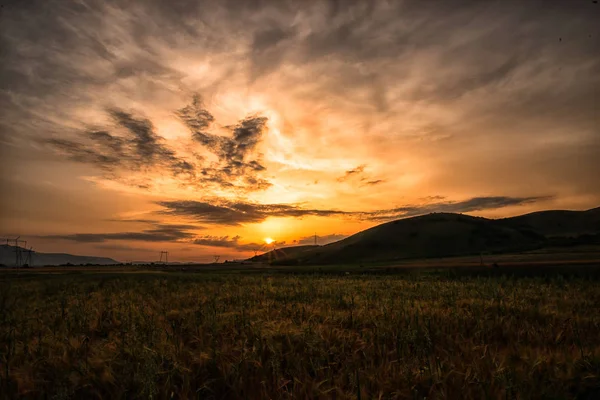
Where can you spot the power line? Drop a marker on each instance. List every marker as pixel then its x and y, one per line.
pixel 166 254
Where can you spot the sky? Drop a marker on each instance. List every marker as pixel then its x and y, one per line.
pixel 204 127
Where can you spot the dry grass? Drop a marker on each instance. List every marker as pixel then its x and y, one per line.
pixel 299 336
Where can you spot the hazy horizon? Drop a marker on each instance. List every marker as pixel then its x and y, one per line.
pixel 205 128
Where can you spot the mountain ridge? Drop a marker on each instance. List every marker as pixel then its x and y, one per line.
pixel 7 258
pixel 451 234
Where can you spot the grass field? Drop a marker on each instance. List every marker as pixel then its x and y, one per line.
pixel 399 333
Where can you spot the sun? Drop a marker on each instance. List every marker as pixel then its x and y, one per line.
pixel 268 240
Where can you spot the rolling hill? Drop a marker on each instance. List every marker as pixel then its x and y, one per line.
pixel 7 258
pixel 284 253
pixel 446 234
pixel 557 223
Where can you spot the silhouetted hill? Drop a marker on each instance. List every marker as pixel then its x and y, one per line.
pixel 445 234
pixel 557 223
pixel 7 257
pixel 283 253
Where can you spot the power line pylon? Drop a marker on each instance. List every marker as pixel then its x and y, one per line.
pixel 29 257
pixel 18 253
pixel 166 254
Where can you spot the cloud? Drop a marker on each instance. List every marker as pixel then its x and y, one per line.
pixel 357 172
pixel 145 221
pixel 225 212
pixel 234 153
pixel 470 205
pixel 231 243
pixel 374 182
pixel 160 233
pixel 352 172
pixel 141 149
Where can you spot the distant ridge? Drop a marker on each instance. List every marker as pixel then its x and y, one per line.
pixel 557 222
pixel 7 258
pixel 448 234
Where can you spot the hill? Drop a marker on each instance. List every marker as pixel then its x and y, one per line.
pixel 7 258
pixel 284 253
pixel 557 223
pixel 446 235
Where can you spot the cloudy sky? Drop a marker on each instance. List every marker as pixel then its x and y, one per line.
pixel 202 128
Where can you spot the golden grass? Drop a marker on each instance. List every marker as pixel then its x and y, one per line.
pixel 312 336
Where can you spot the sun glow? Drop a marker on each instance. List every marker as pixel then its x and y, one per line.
pixel 269 240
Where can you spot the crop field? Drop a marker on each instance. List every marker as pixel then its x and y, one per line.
pixel 414 335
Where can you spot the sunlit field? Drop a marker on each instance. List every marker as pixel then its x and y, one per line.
pixel 275 335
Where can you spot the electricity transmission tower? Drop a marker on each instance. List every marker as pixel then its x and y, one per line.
pixel 29 257
pixel 166 254
pixel 18 253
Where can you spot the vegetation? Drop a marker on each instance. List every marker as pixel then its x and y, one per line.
pixel 452 334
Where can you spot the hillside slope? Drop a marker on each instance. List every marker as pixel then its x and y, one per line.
pixel 428 236
pixel 284 253
pixel 445 234
pixel 557 223
pixel 7 258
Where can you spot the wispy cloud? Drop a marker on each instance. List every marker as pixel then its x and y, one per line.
pixel 141 149
pixel 160 233
pixel 233 152
pixel 465 206
pixel 224 212
pixel 233 242
pixel 352 172
pixel 374 182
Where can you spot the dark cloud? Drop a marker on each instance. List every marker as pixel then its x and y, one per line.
pixel 145 144
pixel 374 182
pixel 267 49
pixel 198 120
pixel 234 153
pixel 352 172
pixel 223 212
pixel 145 221
pixel 267 38
pixel 139 148
pixel 232 242
pixel 159 233
pixel 359 172
pixel 81 153
pixel 470 205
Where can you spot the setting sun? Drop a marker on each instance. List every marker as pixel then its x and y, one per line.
pixel 269 240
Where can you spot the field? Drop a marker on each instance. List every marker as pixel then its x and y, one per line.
pixel 531 332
